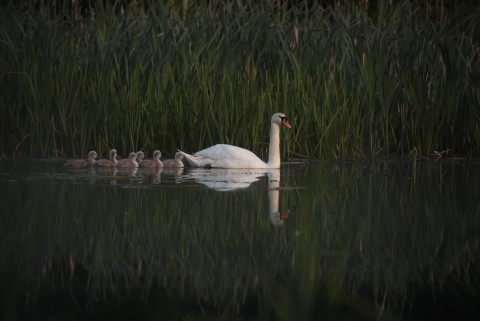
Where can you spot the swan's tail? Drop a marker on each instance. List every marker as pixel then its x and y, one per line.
pixel 196 161
pixel 190 158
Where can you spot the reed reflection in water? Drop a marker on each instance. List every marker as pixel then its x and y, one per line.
pixel 377 240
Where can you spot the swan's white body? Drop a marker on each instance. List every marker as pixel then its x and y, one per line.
pixel 177 162
pixel 228 156
pixel 112 162
pixel 92 155
pixel 153 163
pixel 130 162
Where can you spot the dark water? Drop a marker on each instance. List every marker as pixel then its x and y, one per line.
pixel 323 241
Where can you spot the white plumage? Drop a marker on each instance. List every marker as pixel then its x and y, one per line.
pixel 229 156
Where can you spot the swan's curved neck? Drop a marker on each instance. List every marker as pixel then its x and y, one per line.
pixel 274 148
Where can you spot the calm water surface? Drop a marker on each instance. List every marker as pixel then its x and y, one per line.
pixel 383 240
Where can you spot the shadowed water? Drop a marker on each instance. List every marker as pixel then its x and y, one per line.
pixel 388 240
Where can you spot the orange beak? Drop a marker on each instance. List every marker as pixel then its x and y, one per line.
pixel 284 215
pixel 285 122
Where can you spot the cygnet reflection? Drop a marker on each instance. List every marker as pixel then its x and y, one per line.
pixel 176 172
pixel 153 172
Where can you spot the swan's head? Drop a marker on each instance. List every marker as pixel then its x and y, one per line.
pixel 157 154
pixel 132 156
pixel 280 119
pixel 113 153
pixel 92 154
pixel 140 155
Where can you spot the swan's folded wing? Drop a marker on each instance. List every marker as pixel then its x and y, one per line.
pixel 223 151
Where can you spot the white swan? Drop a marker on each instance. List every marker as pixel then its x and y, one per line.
pixel 112 162
pixel 92 155
pixel 228 156
pixel 130 162
pixel 177 162
pixel 153 163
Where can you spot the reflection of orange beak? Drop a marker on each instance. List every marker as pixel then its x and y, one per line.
pixel 285 122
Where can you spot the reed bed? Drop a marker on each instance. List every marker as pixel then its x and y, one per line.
pixel 356 82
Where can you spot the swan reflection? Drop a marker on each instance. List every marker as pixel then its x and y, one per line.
pixel 276 217
pixel 234 179
pixel 225 179
pixel 221 180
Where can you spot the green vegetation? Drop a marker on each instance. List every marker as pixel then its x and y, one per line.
pixel 356 81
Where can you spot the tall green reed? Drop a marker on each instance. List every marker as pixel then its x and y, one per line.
pixel 356 83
